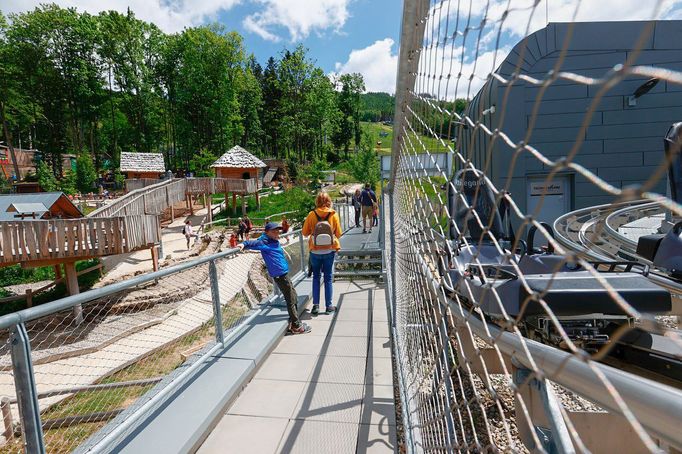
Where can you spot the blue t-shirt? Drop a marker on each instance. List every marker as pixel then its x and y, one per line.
pixel 367 198
pixel 272 252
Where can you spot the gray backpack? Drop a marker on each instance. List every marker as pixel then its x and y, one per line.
pixel 323 233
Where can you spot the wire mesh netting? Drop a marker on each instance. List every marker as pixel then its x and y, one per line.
pixel 503 326
pixel 89 373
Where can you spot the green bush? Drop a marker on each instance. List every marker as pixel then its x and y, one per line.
pixel 86 174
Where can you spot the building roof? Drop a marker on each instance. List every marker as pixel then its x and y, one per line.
pixel 142 162
pixel 13 205
pixel 239 158
pixel 28 208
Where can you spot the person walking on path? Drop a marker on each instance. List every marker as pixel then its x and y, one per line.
pixel 248 224
pixel 357 205
pixel 323 227
pixel 271 249
pixel 241 229
pixel 188 231
pixel 368 198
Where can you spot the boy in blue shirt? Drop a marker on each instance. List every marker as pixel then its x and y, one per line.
pixel 273 255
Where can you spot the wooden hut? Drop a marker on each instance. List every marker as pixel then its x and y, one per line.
pixel 237 163
pixel 41 205
pixel 142 165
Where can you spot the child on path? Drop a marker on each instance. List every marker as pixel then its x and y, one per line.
pixel 273 254
pixel 188 231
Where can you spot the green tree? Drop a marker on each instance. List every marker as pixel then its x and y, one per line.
pixel 200 164
pixel 86 175
pixel 364 165
pixel 69 183
pixel 46 179
pixel 348 120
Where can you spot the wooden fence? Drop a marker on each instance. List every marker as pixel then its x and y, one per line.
pixel 134 184
pixel 24 241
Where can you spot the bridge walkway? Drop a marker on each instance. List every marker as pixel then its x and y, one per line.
pixel 330 391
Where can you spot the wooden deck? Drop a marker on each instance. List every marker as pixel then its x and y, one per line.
pixel 56 240
pixel 127 224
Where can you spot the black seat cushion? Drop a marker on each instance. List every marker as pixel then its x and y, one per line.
pixel 578 292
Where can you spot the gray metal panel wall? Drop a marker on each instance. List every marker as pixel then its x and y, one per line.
pixel 622 144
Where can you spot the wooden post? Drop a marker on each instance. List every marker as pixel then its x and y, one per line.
pixel 57 271
pixel 29 297
pixel 6 410
pixel 204 199
pixel 210 209
pixel 172 213
pixel 155 258
pixel 72 286
pixel 243 205
pixel 257 200
pixel 191 207
pixel 227 201
pixel 234 203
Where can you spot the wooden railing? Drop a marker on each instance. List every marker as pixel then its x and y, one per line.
pixel 221 185
pixel 23 241
pixel 134 184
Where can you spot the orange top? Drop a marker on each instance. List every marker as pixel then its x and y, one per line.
pixel 311 221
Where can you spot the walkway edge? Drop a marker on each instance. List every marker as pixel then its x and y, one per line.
pixel 188 416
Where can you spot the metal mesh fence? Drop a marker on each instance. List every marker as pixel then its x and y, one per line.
pixel 89 373
pixel 507 338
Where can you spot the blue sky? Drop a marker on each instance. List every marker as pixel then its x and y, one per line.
pixel 362 35
pixel 368 21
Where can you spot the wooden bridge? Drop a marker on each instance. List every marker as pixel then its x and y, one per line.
pixel 127 224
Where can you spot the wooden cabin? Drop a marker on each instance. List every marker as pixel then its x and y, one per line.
pixel 142 165
pixel 40 205
pixel 239 164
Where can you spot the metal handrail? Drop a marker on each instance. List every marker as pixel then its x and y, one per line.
pixel 68 302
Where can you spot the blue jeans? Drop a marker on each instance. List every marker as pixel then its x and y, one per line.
pixel 322 263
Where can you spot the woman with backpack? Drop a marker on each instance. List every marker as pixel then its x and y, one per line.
pixel 324 229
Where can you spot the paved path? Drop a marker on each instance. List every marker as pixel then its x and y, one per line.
pixel 355 240
pixel 174 244
pixel 90 366
pixel 330 391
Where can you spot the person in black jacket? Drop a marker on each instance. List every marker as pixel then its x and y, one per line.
pixel 357 205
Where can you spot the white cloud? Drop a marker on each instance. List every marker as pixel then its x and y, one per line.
pixel 377 63
pixel 254 27
pixel 299 17
pixel 519 17
pixel 169 15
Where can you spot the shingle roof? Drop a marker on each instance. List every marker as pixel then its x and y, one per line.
pixel 142 162
pixel 239 158
pixel 46 199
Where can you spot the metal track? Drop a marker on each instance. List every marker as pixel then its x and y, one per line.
pixel 594 233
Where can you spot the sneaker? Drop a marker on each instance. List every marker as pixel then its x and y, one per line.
pixel 316 310
pixel 364 230
pixel 303 329
pixel 330 309
pixel 370 230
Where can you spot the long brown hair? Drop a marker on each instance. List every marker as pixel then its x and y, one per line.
pixel 323 200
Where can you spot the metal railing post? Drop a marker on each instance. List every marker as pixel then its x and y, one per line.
pixel 382 220
pixel 555 438
pixel 27 396
pixel 302 246
pixel 215 297
pixel 393 259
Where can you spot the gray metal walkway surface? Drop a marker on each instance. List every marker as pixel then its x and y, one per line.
pixel 354 241
pixel 330 391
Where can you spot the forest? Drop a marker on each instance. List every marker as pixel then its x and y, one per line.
pixel 96 85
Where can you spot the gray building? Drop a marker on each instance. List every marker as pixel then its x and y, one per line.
pixel 623 144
